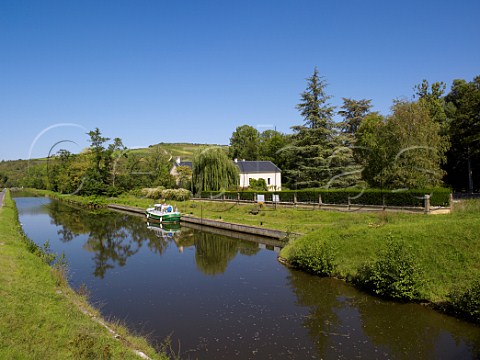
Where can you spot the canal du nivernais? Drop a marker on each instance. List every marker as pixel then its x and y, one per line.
pixel 217 297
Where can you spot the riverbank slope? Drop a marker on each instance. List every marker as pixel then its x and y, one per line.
pixel 41 316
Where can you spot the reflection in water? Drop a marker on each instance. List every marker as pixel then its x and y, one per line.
pixel 114 237
pixel 339 315
pixel 213 252
pixel 252 307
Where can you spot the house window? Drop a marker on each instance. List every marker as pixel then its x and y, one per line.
pixel 268 181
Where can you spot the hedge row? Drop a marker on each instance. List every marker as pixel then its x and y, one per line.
pixel 438 196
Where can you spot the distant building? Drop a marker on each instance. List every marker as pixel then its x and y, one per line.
pixel 266 170
pixel 176 164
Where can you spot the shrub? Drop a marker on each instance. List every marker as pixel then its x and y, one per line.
pixel 467 303
pixel 167 194
pixel 176 194
pixel 153 193
pixel 438 196
pixel 394 274
pixel 259 184
pixel 318 259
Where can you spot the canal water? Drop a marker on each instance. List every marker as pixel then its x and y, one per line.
pixel 217 297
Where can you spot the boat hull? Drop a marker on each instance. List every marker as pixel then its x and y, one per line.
pixel 174 217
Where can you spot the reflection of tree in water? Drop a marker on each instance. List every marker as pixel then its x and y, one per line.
pixel 411 331
pixel 406 331
pixel 214 252
pixel 321 297
pixel 113 237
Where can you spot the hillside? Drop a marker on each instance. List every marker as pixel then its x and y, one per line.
pixel 183 150
pixel 13 171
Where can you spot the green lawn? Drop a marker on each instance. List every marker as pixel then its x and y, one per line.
pixel 40 316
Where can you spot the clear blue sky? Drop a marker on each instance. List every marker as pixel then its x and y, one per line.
pixel 192 71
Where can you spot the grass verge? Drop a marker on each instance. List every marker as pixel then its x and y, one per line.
pixel 41 316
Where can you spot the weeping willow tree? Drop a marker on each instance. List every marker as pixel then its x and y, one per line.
pixel 213 170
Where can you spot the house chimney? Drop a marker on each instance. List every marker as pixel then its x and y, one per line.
pixel 178 160
pixel 235 160
pixel 243 159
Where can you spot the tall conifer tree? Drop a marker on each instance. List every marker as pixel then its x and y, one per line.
pixel 314 141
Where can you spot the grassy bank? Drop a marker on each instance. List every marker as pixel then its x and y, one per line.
pixel 445 248
pixel 41 316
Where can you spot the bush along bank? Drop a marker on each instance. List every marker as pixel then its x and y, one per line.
pixel 371 197
pixel 43 317
pixel 432 260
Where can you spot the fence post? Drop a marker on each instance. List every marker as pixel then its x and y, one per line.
pixel 295 198
pixel 238 197
pixel 349 203
pixel 427 204
pixel 451 202
pixel 320 201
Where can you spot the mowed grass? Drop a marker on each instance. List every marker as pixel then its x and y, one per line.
pixel 40 316
pixel 446 247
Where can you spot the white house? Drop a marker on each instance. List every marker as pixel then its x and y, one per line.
pixel 266 170
pixel 260 170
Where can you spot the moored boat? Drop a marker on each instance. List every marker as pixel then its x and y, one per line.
pixel 163 213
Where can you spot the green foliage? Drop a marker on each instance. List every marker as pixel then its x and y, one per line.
pixel 309 154
pixel 394 274
pixel 244 143
pixel 404 150
pixel 153 193
pixel 463 112
pixel 184 176
pixel 259 184
pixel 176 194
pixel 438 196
pixel 272 146
pixel 318 259
pixel 213 170
pixel 167 194
pixel 432 98
pixel 467 303
pixel 353 113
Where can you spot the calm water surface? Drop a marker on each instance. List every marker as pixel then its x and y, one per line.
pixel 222 298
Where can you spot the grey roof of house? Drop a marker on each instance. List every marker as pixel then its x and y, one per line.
pixel 257 167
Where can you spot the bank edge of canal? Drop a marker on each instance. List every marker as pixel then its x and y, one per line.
pixel 469 311
pixel 378 225
pixel 41 316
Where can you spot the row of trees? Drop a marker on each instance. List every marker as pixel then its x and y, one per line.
pixel 427 141
pixel 424 142
pixel 105 168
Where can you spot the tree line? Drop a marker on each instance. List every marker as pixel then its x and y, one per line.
pixel 431 140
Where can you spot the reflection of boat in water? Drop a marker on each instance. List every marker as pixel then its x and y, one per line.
pixel 164 229
pixel 163 212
